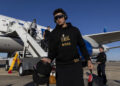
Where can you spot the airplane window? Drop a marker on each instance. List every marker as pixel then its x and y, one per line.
pixel 21 24
pixel 4 20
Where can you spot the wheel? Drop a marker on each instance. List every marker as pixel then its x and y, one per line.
pixel 21 71
pixel 6 67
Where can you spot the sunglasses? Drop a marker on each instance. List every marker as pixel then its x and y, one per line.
pixel 58 17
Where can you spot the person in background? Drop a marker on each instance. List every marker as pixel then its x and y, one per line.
pixel 46 34
pixel 32 30
pixel 101 60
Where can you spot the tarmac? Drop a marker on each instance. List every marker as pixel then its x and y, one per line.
pixel 112 72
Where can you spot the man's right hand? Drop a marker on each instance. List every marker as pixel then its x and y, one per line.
pixel 46 60
pixel 99 62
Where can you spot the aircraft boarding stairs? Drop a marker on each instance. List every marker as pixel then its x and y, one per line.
pixel 30 44
pixel 32 52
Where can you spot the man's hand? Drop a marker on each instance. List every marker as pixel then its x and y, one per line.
pixel 99 62
pixel 90 65
pixel 46 60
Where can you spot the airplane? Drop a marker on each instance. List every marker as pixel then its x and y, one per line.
pixel 11 40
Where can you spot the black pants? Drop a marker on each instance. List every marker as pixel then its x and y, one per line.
pixel 101 72
pixel 44 44
pixel 69 75
pixel 32 32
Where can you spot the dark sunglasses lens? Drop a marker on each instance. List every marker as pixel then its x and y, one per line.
pixel 58 17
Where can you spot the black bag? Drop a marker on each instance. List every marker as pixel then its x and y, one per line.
pixel 41 72
pixel 96 81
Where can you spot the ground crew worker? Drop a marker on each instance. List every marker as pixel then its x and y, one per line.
pixel 63 43
pixel 46 35
pixel 101 60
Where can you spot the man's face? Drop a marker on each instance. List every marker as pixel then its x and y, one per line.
pixel 59 18
pixel 101 50
pixel 48 28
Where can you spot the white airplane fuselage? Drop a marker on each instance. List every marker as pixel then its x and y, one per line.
pixel 9 44
pixel 12 44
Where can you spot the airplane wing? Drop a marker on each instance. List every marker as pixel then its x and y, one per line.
pixel 114 47
pixel 107 37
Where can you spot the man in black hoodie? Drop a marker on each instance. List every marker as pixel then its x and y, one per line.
pixel 63 44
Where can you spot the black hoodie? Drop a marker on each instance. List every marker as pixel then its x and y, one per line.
pixel 101 57
pixel 63 44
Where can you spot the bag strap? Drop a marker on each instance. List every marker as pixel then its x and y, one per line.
pixel 90 71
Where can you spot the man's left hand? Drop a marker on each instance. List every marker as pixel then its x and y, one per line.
pixel 90 65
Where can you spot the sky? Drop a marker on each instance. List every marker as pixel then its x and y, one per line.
pixel 90 16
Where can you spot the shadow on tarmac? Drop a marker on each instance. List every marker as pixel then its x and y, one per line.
pixel 10 85
pixel 118 81
pixel 29 84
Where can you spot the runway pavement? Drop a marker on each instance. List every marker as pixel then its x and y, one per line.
pixel 112 71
